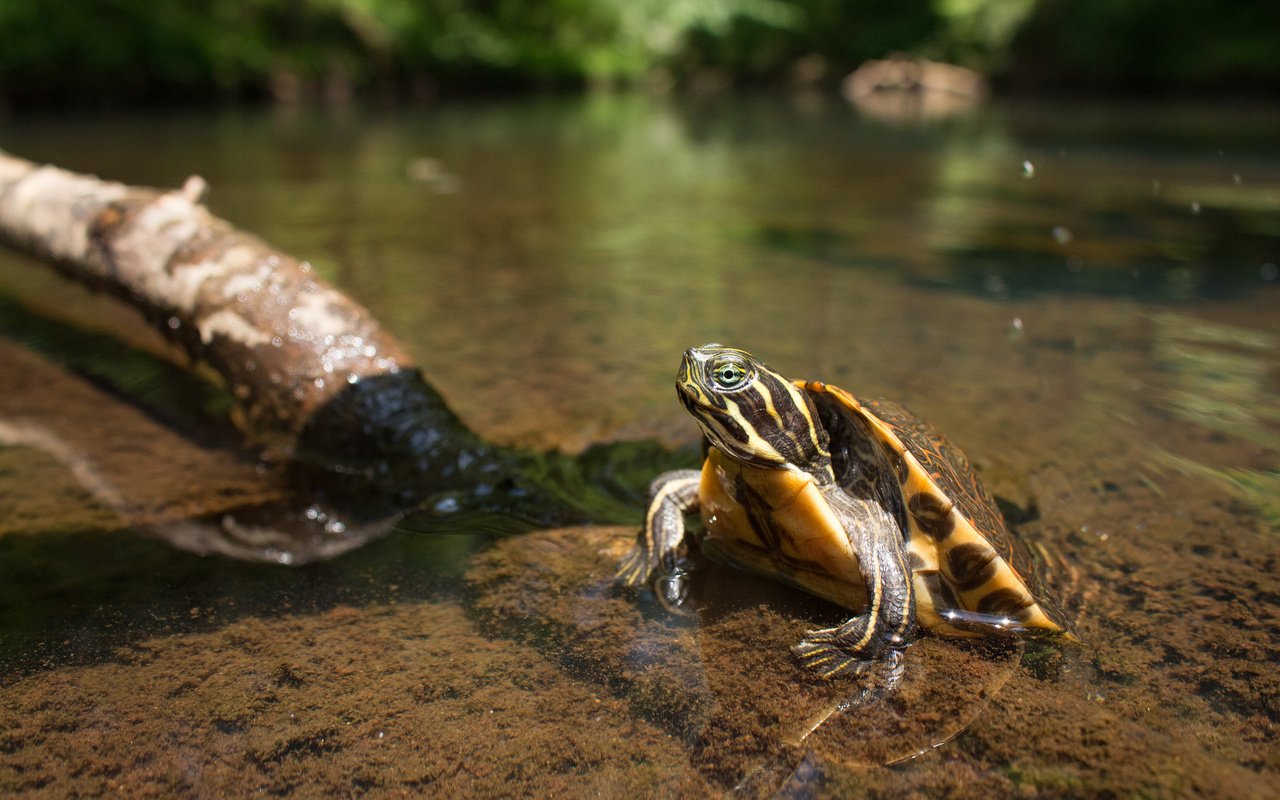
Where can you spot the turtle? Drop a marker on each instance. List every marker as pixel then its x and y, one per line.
pixel 858 502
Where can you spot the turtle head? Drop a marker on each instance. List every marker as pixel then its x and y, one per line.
pixel 750 412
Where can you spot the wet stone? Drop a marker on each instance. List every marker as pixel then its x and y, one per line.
pixel 723 678
pixel 970 718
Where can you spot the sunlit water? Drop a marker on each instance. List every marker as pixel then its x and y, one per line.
pixel 1082 297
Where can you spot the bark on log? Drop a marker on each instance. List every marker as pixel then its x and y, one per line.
pixel 310 367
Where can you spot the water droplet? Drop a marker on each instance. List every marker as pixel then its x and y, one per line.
pixel 1028 169
pixel 352 377
pixel 1195 208
pixel 174 323
pixel 1062 234
pixel 1236 179
pixel 335 526
pixel 276 341
pixel 1270 271
pixel 319 383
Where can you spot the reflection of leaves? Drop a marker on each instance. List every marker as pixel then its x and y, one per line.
pixel 1020 261
pixel 825 244
pixel 1259 488
pixel 820 243
pixel 1006 271
pixel 165 390
pixel 1220 379
pixel 1220 375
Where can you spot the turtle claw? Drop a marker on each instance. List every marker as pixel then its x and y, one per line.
pixel 844 650
pixel 670 586
pixel 672 590
pixel 829 659
pixel 633 570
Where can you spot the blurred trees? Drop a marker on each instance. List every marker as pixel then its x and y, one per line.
pixel 126 50
pixel 1142 45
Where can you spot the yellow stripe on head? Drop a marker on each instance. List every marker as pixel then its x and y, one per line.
pixel 750 412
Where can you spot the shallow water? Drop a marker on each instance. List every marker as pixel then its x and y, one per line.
pixel 1082 297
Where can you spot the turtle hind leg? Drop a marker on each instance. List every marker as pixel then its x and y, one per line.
pixel 887 625
pixel 847 649
pixel 658 545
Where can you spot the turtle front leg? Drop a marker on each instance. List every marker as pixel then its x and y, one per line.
pixel 661 542
pixel 881 630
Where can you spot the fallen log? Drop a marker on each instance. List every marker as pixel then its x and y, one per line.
pixel 285 341
pixel 315 377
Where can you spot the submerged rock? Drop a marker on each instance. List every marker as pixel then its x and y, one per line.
pixel 723 677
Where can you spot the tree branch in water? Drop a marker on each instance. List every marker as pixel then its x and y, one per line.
pixel 314 375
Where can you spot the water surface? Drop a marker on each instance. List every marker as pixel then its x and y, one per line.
pixel 1082 297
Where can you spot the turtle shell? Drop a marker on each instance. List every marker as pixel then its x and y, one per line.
pixel 967 570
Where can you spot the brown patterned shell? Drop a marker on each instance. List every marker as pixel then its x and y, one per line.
pixel 969 572
pixel 950 469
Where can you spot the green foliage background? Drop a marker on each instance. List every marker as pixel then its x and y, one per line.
pixel 128 50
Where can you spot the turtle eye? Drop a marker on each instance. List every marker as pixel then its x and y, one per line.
pixel 729 374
